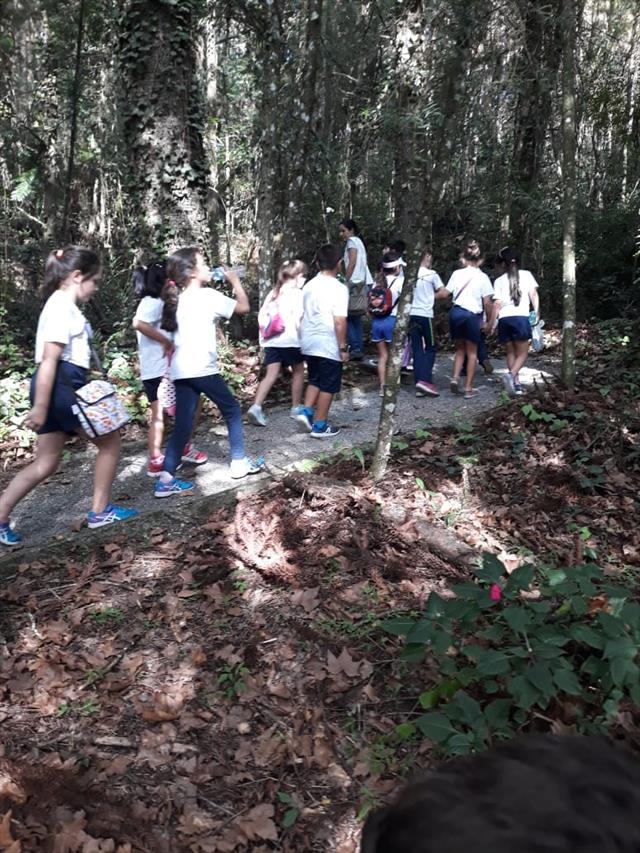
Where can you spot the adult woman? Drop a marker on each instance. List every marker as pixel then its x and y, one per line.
pixel 359 279
pixel 516 291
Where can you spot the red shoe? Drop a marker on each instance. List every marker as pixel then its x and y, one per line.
pixel 192 456
pixel 426 389
pixel 154 466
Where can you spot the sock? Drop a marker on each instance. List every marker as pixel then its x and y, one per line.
pixel 307 411
pixel 165 477
pixel 320 424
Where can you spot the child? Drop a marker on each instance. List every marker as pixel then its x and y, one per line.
pixel 471 291
pixel 515 292
pixel 155 347
pixel 63 353
pixel 534 794
pixel 191 312
pixel 359 279
pixel 283 349
pixel 323 337
pixel 421 326
pixel 391 276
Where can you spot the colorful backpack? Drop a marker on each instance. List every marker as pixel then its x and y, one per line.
pixel 380 301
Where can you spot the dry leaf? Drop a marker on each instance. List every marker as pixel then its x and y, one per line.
pixel 343 664
pixel 258 823
pixel 10 789
pixel 7 842
pixel 165 707
pixel 306 598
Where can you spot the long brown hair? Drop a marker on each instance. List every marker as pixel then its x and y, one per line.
pixel 62 262
pixel 179 268
pixel 511 260
pixel 288 270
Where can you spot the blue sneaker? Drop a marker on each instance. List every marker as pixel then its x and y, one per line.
pixel 324 431
pixel 9 537
pixel 304 419
pixel 240 468
pixel 109 515
pixel 173 487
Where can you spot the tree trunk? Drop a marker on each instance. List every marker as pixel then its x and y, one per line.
pixel 162 124
pixel 569 194
pixel 75 101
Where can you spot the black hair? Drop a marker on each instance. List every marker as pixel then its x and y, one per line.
pixel 149 280
pixel 62 262
pixel 328 257
pixel 350 225
pixel 387 258
pixel 398 246
pixel 534 794
pixel 511 260
pixel 472 251
pixel 179 268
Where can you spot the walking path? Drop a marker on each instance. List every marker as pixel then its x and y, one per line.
pixel 56 509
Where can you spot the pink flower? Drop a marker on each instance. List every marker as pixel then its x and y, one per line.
pixel 495 593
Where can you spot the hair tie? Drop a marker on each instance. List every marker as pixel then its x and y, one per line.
pixel 171 281
pixel 59 253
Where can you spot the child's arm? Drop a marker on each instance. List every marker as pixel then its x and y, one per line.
pixel 340 327
pixel 149 331
pixel 44 384
pixel 442 293
pixel 535 300
pixel 242 300
pixel 352 255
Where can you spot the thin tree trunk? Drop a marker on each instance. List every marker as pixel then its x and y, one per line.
pixel 569 194
pixel 75 98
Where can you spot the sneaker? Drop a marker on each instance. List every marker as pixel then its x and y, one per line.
pixel 487 367
pixel 109 515
pixel 305 421
pixel 473 392
pixel 256 416
pixel 518 389
pixel 509 384
pixel 172 487
pixel 426 389
pixel 154 466
pixel 192 456
pixel 381 391
pixel 327 431
pixel 8 536
pixel 239 468
pixel 454 387
pixel 294 411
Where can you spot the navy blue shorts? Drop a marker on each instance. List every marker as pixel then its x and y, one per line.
pixel 464 325
pixel 151 388
pixel 286 356
pixel 60 417
pixel 382 329
pixel 324 373
pixel 512 329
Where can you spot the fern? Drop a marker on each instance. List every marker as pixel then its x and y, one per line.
pixel 22 186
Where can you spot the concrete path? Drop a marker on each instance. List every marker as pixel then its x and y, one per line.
pixel 55 510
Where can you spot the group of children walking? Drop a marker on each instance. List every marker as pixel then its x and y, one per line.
pixel 317 322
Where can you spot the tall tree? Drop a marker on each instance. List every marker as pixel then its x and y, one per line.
pixel 569 193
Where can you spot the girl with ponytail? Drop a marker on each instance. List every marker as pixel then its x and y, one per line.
pixel 63 353
pixel 516 292
pixel 191 312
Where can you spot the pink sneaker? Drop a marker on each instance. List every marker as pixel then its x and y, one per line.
pixel 426 389
pixel 192 456
pixel 154 467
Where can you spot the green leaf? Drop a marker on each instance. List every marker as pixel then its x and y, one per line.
pixel 460 744
pixel 493 662
pixel 540 676
pixel 623 647
pixel 584 634
pixel 469 707
pixel 290 817
pixel 519 579
pixel 516 617
pixel 492 569
pixel 435 726
pixel 398 627
pixel 405 731
pixel 619 668
pixel 523 691
pixel 611 626
pixel 421 632
pixel 567 680
pixel 497 713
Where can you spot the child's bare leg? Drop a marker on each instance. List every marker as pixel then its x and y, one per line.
pixel 297 384
pixel 267 383
pixel 49 449
pixel 156 430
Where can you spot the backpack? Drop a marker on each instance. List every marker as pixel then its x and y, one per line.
pixel 380 301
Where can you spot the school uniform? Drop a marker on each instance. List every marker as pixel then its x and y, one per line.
pixel 468 287
pixel 421 324
pixel 62 322
pixel 324 298
pixel 361 275
pixel 284 348
pixel 513 318
pixel 151 355
pixel 382 327
pixel 194 370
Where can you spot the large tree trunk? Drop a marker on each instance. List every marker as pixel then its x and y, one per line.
pixel 569 194
pixel 162 123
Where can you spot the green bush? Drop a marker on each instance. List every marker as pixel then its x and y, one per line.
pixel 511 650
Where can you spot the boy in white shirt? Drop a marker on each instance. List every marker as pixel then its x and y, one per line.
pixel 323 338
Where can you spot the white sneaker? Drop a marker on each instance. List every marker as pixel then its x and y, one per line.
pixel 256 416
pixel 294 411
pixel 239 468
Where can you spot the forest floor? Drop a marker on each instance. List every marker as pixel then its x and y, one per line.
pixel 230 687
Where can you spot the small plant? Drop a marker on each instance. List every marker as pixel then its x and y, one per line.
pixel 353 453
pixel 107 616
pixel 534 415
pixel 537 643
pixel 89 706
pixel 292 813
pixel 232 679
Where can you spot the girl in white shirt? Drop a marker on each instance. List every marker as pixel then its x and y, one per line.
pixel 516 292
pixel 155 348
pixel 390 276
pixel 471 292
pixel 191 312
pixel 63 353
pixel 282 349
pixel 421 326
pixel 359 279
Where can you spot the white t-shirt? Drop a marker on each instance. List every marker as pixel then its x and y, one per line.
pixel 395 282
pixel 478 285
pixel 361 271
pixel 427 283
pixel 62 322
pixel 289 306
pixel 324 298
pixel 199 308
pixel 150 353
pixel 502 293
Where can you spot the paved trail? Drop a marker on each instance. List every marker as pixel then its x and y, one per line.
pixel 55 510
